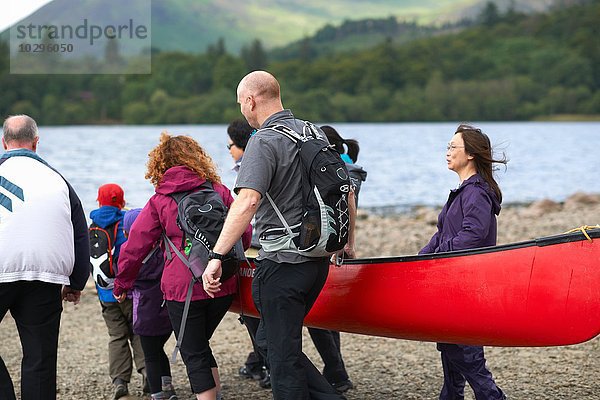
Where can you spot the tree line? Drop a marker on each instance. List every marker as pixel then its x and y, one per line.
pixel 509 67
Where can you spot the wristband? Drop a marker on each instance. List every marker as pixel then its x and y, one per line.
pixel 215 256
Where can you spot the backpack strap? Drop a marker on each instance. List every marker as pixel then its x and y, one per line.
pixel 145 260
pixel 296 138
pixel 188 297
pixel 186 309
pixel 280 215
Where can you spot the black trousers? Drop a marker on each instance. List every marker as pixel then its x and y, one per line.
pixel 283 294
pixel 203 318
pixel 157 362
pixel 328 345
pixel 36 308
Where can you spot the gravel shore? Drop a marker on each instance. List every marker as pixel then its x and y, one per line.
pixel 380 368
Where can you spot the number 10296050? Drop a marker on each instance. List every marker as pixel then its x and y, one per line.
pixel 46 48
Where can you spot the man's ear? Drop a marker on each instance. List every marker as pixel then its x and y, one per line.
pixel 4 144
pixel 35 143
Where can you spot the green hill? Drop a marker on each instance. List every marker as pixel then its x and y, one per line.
pixel 192 25
pixel 510 66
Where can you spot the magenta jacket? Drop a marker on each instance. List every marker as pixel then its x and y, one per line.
pixel 160 213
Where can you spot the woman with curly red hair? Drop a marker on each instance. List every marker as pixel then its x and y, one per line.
pixel 179 164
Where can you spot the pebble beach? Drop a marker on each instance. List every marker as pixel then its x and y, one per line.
pixel 381 368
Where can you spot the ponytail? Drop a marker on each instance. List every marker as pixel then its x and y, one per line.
pixel 338 143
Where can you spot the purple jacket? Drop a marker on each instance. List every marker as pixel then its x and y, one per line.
pixel 160 214
pixel 468 220
pixel 150 317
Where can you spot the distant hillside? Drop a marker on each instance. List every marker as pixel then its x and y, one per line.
pixel 360 34
pixel 356 35
pixel 509 66
pixel 192 25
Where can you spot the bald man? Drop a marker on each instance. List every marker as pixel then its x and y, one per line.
pixel 286 283
pixel 44 256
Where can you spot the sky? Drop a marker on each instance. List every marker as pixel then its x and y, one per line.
pixel 15 10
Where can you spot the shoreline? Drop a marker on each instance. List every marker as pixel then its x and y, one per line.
pixel 406 233
pixel 412 209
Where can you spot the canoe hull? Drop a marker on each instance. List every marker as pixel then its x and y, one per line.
pixel 540 293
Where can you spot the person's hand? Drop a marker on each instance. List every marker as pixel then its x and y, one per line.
pixel 121 297
pixel 211 277
pixel 71 295
pixel 349 251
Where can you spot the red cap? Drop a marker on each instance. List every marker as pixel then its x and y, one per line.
pixel 111 194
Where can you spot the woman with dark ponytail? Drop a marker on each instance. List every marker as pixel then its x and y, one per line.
pixel 348 149
pixel 467 221
pixel 327 342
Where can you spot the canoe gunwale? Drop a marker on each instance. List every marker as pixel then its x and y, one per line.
pixel 539 242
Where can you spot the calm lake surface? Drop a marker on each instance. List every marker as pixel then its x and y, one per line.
pixel 405 161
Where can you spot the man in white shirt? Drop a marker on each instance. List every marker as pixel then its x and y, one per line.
pixel 44 255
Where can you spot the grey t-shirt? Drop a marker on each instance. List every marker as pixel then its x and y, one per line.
pixel 271 164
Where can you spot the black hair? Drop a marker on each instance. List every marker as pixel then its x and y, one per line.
pixel 338 143
pixel 239 132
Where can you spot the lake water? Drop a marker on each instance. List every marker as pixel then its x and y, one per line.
pixel 405 161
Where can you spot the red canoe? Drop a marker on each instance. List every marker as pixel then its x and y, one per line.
pixel 544 292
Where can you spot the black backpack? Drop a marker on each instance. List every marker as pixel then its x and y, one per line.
pixel 201 215
pixel 325 224
pixel 103 263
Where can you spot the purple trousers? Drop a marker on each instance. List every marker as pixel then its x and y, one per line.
pixel 466 364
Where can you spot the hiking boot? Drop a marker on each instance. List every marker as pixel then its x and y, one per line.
pixel 165 395
pixel 120 389
pixel 265 383
pixel 251 373
pixel 168 392
pixel 343 386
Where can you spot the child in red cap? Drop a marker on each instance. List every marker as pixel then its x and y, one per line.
pixel 108 222
pixel 111 194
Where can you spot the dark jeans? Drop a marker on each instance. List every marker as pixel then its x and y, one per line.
pixel 203 318
pixel 36 307
pixel 284 294
pixel 328 345
pixel 157 362
pixel 466 363
pixel 255 360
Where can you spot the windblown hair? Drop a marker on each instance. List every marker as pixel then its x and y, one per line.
pixel 179 150
pixel 338 143
pixel 479 146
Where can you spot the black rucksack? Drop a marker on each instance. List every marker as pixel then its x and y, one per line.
pixel 325 224
pixel 103 263
pixel 201 215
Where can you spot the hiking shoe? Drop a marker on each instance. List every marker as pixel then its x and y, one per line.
pixel 165 395
pixel 120 390
pixel 265 383
pixel 168 392
pixel 343 386
pixel 251 373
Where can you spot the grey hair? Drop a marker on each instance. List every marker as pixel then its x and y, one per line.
pixel 24 130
